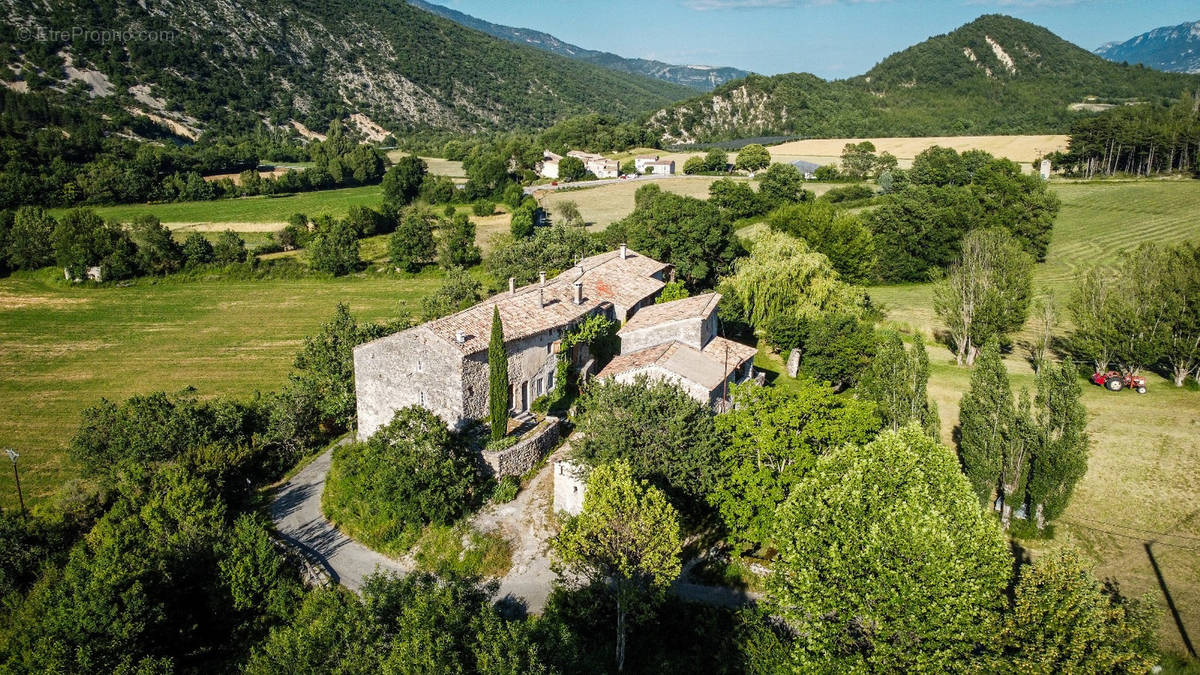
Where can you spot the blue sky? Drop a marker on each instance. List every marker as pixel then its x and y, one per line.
pixel 832 38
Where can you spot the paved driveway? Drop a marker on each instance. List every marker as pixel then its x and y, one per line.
pixel 296 512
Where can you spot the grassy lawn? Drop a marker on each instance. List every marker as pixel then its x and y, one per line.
pixel 62 348
pixel 1141 485
pixel 233 213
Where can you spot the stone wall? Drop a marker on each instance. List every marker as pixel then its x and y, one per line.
pixel 527 452
pixel 570 484
pixel 689 331
pixel 413 367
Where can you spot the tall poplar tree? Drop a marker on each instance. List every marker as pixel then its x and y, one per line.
pixel 897 381
pixel 497 379
pixel 1060 458
pixel 986 422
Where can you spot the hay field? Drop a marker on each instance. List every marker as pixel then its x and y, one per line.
pixel 1022 149
pixel 1141 486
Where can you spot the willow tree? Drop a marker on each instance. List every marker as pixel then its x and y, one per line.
pixel 497 379
pixel 783 276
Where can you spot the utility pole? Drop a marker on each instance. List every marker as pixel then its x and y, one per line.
pixel 12 455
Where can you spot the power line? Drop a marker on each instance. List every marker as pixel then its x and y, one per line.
pixel 1130 536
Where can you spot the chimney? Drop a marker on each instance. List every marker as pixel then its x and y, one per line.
pixel 579 292
pixel 459 337
pixel 624 251
pixel 542 278
pixel 512 286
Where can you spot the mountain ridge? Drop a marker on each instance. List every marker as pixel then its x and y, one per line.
pixel 701 77
pixel 232 65
pixel 993 75
pixel 1174 49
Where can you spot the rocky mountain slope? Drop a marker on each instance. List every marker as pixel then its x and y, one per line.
pixel 994 75
pixel 704 78
pixel 228 65
pixel 1174 49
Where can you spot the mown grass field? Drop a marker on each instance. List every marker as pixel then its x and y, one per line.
pixel 603 205
pixel 251 213
pixel 62 348
pixel 1143 481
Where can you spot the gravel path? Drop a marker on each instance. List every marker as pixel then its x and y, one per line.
pixel 296 512
pixel 526 522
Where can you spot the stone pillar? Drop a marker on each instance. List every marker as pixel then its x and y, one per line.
pixel 793 363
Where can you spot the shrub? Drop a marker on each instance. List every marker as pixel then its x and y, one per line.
pixel 506 490
pixel 413 472
pixel 483 208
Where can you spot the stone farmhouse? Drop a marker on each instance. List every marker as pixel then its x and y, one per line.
pixel 549 167
pixel 442 364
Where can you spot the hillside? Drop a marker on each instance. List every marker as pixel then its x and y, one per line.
pixel 704 78
pixel 995 75
pixel 228 65
pixel 1174 49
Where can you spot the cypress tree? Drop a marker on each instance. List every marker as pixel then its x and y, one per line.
pixel 497 379
pixel 986 420
pixel 1060 459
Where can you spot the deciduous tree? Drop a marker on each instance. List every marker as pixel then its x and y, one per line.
pixel 897 382
pixel 886 563
pixel 412 244
pixel 627 536
pixel 752 158
pixel 986 293
pixel 1064 621
pixel 1061 449
pixel 987 423
pixel 402 182
pixel 771 439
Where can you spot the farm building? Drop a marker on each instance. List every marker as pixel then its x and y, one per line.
pixel 549 167
pixel 442 364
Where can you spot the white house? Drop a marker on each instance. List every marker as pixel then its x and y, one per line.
pixel 661 167
pixel 643 161
pixel 549 168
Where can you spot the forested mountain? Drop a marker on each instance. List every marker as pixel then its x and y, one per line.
pixel 227 66
pixel 994 75
pixel 704 78
pixel 1174 49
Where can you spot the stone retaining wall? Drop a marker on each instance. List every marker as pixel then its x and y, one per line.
pixel 526 453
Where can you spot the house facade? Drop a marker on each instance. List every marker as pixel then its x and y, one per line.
pixel 442 364
pixel 660 167
pixel 677 342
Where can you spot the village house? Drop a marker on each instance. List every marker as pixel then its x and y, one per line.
pixel 660 167
pixel 642 161
pixel 549 167
pixel 442 364
pixel 598 165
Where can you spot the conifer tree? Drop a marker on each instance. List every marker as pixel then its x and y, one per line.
pixel 497 379
pixel 986 422
pixel 1060 459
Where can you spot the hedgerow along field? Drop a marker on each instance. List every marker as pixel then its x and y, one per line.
pixel 62 348
pixel 1141 487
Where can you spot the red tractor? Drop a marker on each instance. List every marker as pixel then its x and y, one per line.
pixel 1114 381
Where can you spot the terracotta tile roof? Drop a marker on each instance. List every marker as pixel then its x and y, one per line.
pixel 707 367
pixel 695 307
pixel 607 280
